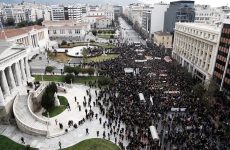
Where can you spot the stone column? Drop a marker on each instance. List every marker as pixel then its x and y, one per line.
pixel 22 69
pixel 5 84
pixel 27 68
pixel 12 81
pixel 1 96
pixel 18 74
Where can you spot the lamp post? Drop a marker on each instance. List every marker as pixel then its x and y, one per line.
pixel 71 82
pixel 48 123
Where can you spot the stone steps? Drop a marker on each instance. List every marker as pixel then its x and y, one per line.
pixel 23 114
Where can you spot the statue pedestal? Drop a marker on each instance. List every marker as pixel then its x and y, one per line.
pixel 56 102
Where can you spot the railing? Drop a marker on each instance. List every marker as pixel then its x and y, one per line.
pixel 26 128
pixel 39 90
pixel 29 104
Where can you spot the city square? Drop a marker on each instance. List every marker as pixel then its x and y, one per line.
pixel 110 77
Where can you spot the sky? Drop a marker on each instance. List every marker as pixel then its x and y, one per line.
pixel 213 3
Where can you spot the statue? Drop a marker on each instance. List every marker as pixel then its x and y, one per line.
pixel 88 45
pixel 56 102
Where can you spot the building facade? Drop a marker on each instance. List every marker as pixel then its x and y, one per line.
pixel 146 20
pixel 178 11
pixel 102 23
pixel 66 30
pixel 163 38
pixel 14 73
pixel 74 12
pixel 57 13
pixel 157 17
pixel 34 37
pixel 222 66
pixel 211 15
pixel 118 10
pixel 17 14
pixel 195 48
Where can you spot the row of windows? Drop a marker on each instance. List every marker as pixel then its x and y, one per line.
pixel 222 54
pixel 217 74
pixel 199 33
pixel 220 62
pixel 76 31
pixel 204 14
pixel 226 30
pixel 223 49
pixel 223 59
pixel 228 72
pixel 225 40
pixel 201 18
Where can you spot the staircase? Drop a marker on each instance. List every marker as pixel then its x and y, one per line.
pixel 25 120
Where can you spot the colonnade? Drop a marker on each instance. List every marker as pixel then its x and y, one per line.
pixel 13 76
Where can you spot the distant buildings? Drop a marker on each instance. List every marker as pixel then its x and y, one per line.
pixel 57 13
pixel 222 66
pixel 135 13
pixel 195 48
pixel 17 14
pixel 74 12
pixel 97 16
pixel 24 12
pixel 208 15
pixel 157 17
pixel 178 11
pixel 118 10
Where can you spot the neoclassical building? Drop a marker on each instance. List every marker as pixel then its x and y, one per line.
pixel 67 30
pixel 14 74
pixel 35 37
pixel 195 48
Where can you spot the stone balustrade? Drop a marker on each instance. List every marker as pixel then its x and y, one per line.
pixel 30 129
pixel 30 105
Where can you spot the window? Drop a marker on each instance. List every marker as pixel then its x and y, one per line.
pixel 62 31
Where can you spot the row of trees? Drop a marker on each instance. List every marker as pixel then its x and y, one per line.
pixel 76 70
pixel 95 32
pixel 136 27
pixel 11 22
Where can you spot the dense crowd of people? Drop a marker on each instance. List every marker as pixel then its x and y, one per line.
pixel 181 119
pixel 164 86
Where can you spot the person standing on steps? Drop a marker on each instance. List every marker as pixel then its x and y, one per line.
pixel 59 143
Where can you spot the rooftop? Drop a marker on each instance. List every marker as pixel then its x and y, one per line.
pixel 201 26
pixel 62 23
pixel 8 49
pixel 8 33
pixel 4 45
pixel 162 33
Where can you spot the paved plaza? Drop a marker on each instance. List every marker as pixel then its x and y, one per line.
pixel 74 135
pixel 39 63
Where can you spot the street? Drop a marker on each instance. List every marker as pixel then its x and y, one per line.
pixel 128 35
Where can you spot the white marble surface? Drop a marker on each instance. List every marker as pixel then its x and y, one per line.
pixel 72 137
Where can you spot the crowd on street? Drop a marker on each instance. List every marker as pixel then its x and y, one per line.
pixel 181 119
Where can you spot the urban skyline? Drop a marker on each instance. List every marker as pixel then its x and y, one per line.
pixel 120 2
